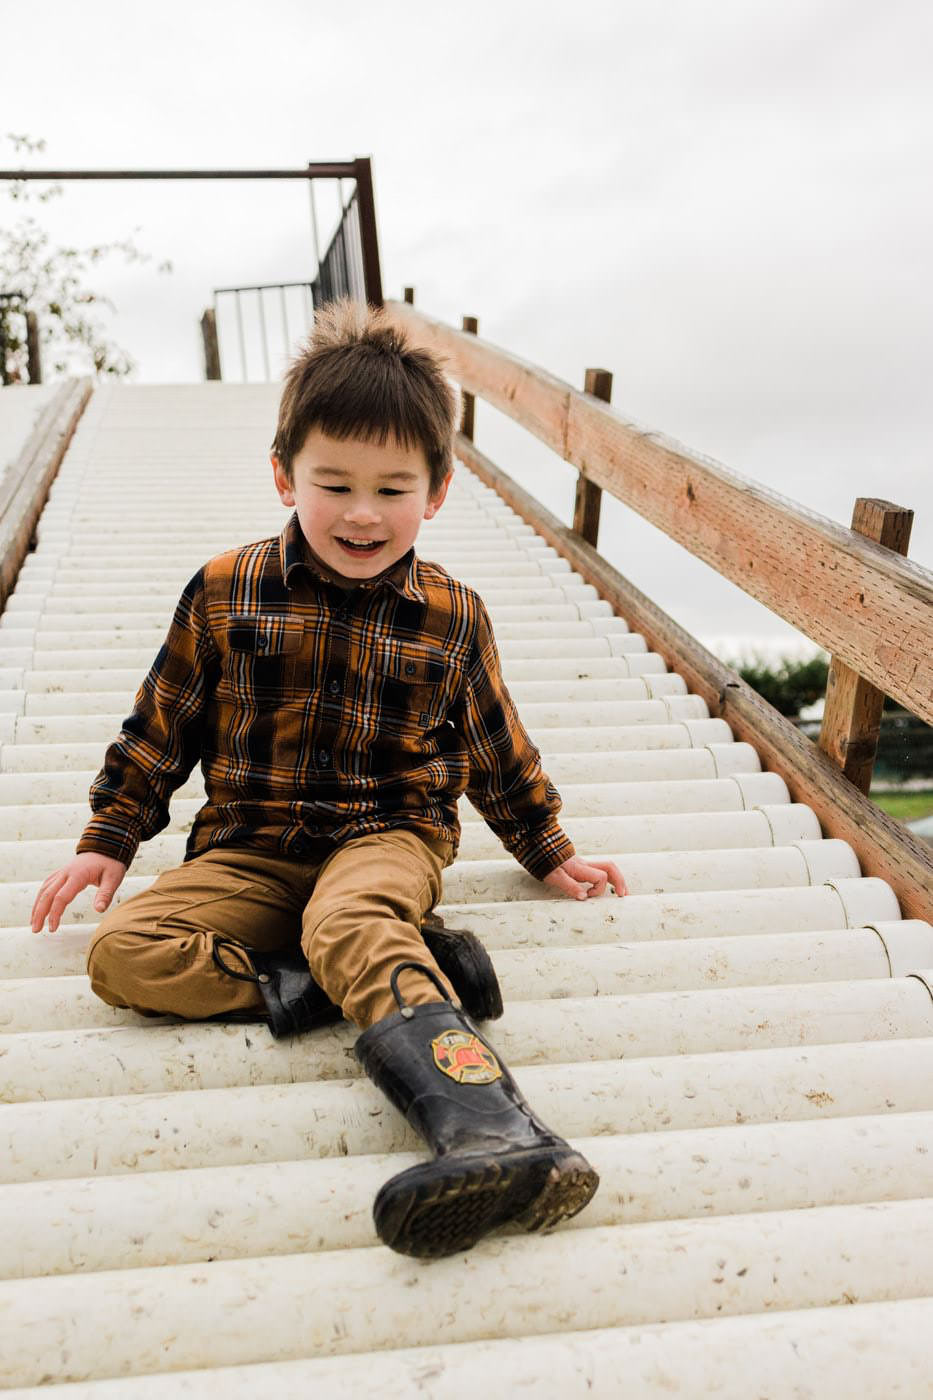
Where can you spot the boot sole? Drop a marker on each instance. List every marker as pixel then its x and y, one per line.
pixel 442 1207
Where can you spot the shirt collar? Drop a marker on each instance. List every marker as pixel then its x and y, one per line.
pixel 295 553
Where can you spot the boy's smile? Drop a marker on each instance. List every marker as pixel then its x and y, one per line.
pixel 360 504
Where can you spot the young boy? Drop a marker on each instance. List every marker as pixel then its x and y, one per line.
pixel 340 694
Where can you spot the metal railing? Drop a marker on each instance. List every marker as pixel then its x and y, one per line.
pixel 350 264
pixel 341 272
pixel 211 333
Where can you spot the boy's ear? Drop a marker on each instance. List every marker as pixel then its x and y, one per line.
pixel 435 502
pixel 282 484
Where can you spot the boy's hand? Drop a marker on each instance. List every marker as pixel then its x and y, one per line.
pixel 582 879
pixel 57 892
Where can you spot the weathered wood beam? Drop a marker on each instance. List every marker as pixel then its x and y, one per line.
pixel 588 497
pixel 26 483
pixel 884 848
pixel 852 715
pixel 468 414
pixel 211 344
pixel 33 352
pixel 858 600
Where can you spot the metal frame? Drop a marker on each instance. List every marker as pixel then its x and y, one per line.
pixel 359 169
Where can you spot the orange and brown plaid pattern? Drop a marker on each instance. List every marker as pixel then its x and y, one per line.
pixel 321 713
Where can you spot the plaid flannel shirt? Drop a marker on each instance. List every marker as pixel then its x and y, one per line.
pixel 318 712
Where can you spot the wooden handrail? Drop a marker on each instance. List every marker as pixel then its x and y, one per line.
pixel 884 847
pixel 860 601
pixel 27 481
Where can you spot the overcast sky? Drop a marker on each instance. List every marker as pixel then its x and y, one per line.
pixel 725 203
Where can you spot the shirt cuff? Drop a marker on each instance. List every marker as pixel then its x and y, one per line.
pixel 544 849
pixel 106 840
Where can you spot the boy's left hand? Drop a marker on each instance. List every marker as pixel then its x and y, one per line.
pixel 583 879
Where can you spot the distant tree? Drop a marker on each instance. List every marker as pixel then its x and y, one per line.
pixel 51 282
pixel 905 743
pixel 788 684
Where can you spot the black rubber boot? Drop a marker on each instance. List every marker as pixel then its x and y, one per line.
pixel 495 1161
pixel 465 963
pixel 294 1002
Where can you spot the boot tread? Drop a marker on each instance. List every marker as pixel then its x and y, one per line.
pixel 442 1207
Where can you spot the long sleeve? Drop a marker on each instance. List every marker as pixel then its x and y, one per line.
pixel 507 784
pixel 160 741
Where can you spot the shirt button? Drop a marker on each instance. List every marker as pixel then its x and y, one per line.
pixel 335 687
pixel 409 668
pixel 262 641
pixel 323 757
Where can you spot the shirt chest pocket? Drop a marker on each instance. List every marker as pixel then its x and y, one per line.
pixel 415 684
pixel 265 656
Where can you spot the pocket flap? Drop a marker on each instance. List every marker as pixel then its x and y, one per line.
pixel 415 665
pixel 264 636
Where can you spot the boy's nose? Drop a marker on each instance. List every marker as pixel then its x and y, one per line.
pixel 361 511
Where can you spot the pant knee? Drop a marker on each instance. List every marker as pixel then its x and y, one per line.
pixel 352 955
pixel 104 958
pixel 345 934
pixel 123 965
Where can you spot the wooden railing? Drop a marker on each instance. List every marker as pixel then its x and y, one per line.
pixel 869 607
pixel 27 481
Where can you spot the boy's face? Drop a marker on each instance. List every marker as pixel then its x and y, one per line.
pixel 356 490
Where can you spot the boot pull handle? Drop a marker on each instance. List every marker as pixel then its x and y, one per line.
pixel 225 967
pixel 405 1009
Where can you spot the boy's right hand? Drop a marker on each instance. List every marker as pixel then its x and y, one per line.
pixel 59 889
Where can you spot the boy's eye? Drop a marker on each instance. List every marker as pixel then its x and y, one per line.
pixel 386 490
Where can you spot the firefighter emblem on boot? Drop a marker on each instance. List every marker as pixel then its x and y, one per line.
pixel 465 1058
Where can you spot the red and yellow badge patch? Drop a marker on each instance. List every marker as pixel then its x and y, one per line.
pixel 465 1058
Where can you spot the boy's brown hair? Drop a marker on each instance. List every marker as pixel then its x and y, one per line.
pixel 358 376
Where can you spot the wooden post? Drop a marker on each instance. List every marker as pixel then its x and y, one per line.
pixel 468 417
pixel 852 715
pixel 211 345
pixel 34 361
pixel 408 294
pixel 597 382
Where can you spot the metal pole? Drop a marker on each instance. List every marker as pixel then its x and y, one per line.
pixel 285 340
pixel 317 241
pixel 327 170
pixel 239 318
pixel 368 234
pixel 262 327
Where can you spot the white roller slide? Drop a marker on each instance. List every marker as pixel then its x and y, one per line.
pixel 743 1046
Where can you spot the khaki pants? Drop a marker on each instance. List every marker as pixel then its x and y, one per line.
pixel 356 911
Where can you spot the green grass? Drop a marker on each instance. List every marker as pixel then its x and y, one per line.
pixel 905 806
